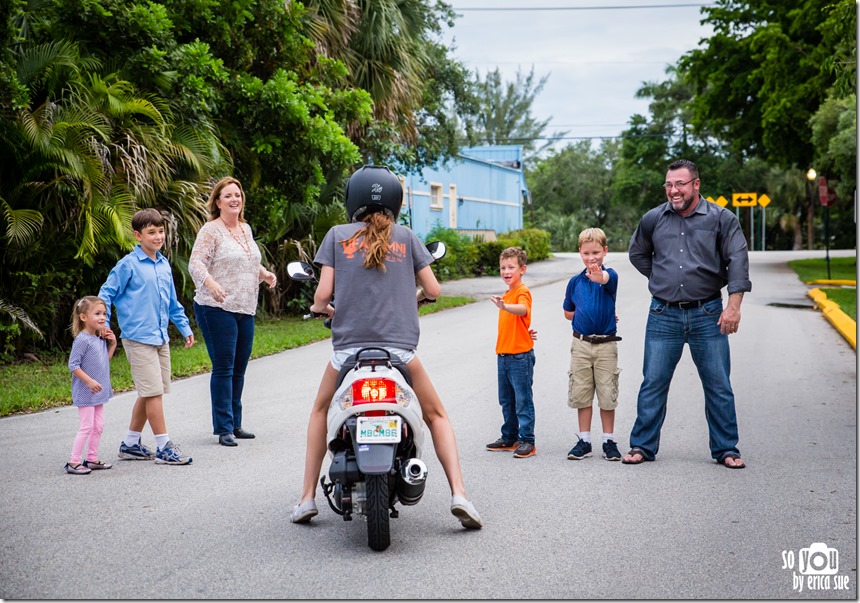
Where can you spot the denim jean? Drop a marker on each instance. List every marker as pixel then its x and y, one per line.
pixel 229 337
pixel 667 331
pixel 516 375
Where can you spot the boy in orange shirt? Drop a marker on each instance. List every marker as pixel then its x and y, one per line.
pixel 515 358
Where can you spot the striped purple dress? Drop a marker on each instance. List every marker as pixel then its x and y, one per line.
pixel 90 353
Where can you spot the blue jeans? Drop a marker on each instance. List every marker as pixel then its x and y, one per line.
pixel 516 375
pixel 229 337
pixel 667 331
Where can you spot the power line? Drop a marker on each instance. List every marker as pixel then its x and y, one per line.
pixel 533 8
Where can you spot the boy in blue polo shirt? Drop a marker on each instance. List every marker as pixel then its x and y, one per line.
pixel 141 287
pixel 589 303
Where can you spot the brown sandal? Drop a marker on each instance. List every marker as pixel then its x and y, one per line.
pixel 732 456
pixel 631 453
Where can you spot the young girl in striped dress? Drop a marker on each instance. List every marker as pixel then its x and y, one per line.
pixel 89 363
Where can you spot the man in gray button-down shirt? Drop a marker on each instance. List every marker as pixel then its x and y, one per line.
pixel 689 249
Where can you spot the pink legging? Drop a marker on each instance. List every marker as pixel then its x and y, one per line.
pixel 92 425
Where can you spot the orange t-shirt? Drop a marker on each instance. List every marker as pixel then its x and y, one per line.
pixel 514 335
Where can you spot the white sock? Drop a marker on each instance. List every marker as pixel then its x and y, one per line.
pixel 608 436
pixel 161 440
pixel 131 438
pixel 585 436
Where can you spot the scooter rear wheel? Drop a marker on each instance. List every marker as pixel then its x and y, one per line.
pixel 378 532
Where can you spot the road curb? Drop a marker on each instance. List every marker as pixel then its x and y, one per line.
pixel 834 314
pixel 833 282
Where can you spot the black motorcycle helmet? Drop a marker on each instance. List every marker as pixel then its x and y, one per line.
pixel 373 188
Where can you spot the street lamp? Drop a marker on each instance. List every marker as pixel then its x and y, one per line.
pixel 810 182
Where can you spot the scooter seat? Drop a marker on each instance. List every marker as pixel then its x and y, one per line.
pixel 370 356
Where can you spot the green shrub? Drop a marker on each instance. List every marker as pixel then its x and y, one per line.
pixel 488 257
pixel 535 242
pixel 460 258
pixel 467 257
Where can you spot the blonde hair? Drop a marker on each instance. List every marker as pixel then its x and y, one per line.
pixel 212 203
pixel 377 235
pixel 589 235
pixel 514 252
pixel 83 306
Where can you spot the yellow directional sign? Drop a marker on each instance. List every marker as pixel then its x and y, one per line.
pixel 763 200
pixel 744 199
pixel 721 201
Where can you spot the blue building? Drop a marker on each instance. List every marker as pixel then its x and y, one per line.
pixel 481 192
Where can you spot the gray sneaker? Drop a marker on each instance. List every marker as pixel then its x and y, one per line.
pixel 304 511
pixel 137 452
pixel 525 450
pixel 465 511
pixel 171 455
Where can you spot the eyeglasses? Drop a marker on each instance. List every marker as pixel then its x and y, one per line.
pixel 669 185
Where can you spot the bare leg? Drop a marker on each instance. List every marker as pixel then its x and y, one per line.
pixel 150 409
pixel 316 447
pixel 584 415
pixel 607 420
pixel 155 414
pixel 441 430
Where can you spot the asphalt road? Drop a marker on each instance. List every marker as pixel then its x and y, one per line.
pixel 682 527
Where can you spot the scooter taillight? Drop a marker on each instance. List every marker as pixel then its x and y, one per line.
pixel 366 391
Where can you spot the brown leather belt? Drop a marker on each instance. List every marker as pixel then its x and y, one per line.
pixel 686 305
pixel 596 338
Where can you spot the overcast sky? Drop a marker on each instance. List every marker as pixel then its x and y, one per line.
pixel 596 59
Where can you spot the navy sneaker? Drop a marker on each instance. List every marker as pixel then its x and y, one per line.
pixel 138 452
pixel 580 451
pixel 171 455
pixel 610 451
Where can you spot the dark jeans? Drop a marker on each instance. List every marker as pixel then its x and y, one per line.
pixel 229 337
pixel 516 375
pixel 667 331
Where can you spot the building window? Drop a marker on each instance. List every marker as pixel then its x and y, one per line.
pixel 436 196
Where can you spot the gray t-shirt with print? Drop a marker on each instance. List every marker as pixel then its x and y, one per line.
pixel 373 307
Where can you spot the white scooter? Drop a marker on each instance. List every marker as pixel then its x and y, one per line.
pixel 375 434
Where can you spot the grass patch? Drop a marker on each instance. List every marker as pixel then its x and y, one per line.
pixel 845 298
pixel 33 386
pixel 816 269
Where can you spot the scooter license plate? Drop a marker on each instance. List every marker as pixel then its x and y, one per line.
pixel 378 430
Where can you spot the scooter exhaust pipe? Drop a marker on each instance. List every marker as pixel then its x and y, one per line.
pixel 410 486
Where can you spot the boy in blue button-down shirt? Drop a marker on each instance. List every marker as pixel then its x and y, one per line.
pixel 141 287
pixel 589 303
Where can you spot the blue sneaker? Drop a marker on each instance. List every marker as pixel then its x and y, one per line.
pixel 610 451
pixel 580 451
pixel 138 452
pixel 171 455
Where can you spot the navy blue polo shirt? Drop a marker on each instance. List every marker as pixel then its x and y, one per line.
pixel 593 304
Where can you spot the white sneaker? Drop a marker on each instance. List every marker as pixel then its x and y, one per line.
pixel 465 511
pixel 303 511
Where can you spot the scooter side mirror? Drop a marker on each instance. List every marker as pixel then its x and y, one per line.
pixel 437 249
pixel 301 271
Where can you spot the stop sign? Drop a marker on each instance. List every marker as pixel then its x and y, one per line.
pixel 826 195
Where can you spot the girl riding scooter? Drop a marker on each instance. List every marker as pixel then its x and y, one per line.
pixel 371 265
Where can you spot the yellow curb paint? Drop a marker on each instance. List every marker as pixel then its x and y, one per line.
pixel 833 282
pixel 846 326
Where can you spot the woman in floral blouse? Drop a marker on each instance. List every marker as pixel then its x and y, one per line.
pixel 225 265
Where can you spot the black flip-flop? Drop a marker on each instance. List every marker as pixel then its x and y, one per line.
pixel 734 456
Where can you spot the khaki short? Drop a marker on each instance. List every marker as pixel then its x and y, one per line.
pixel 150 367
pixel 593 367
